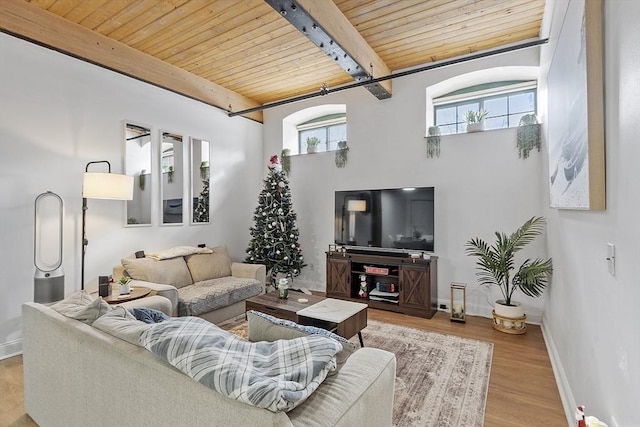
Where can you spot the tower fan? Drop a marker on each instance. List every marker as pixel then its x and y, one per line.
pixel 48 281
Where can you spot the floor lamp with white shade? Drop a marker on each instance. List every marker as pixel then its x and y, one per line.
pixel 101 185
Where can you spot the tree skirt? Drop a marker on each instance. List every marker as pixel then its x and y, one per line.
pixel 441 380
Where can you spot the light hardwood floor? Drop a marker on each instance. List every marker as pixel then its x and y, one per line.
pixel 522 388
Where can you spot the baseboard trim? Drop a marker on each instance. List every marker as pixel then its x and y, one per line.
pixel 566 395
pixel 10 349
pixel 534 316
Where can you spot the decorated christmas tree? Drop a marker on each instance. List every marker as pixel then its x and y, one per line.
pixel 274 237
pixel 202 208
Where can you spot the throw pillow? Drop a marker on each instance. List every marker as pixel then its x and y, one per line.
pixel 172 271
pixel 80 306
pixel 121 324
pixel 263 327
pixel 210 266
pixel 149 315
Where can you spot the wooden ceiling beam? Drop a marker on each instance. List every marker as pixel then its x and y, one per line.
pixel 19 18
pixel 332 21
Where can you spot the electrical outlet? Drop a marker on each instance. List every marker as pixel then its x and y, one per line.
pixel 312 267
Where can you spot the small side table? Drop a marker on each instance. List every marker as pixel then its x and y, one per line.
pixel 136 293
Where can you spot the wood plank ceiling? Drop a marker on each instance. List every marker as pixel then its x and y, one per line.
pixel 248 48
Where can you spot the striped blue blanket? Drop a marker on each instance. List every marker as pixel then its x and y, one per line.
pixel 276 376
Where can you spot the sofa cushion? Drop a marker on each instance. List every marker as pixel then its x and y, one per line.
pixel 264 327
pixel 215 265
pixel 120 323
pixel 172 271
pixel 80 306
pixel 209 295
pixel 276 376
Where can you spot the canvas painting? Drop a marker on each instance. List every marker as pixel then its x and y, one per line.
pixel 576 132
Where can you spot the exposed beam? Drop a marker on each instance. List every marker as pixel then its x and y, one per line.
pixel 325 25
pixel 19 18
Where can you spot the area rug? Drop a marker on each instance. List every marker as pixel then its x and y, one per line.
pixel 441 380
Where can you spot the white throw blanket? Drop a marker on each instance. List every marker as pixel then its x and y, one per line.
pixel 277 376
pixel 178 251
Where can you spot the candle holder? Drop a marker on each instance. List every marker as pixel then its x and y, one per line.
pixel 458 302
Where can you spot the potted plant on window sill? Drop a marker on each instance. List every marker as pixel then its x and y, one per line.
pixel 495 264
pixel 312 144
pixel 475 120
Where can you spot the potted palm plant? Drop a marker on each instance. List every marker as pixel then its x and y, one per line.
pixel 475 120
pixel 495 264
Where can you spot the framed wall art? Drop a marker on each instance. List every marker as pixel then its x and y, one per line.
pixel 576 111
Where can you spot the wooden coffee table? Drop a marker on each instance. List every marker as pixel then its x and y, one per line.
pixel 344 318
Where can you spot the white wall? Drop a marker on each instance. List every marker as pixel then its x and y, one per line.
pixel 591 320
pixel 481 186
pixel 57 114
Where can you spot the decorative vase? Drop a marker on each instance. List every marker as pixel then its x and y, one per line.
pixel 311 149
pixel 510 319
pixel 125 289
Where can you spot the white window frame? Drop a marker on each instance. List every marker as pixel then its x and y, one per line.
pixel 481 96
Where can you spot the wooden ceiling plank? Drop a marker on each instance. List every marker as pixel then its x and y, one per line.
pixel 273 45
pixel 128 14
pixel 284 70
pixel 157 9
pixel 33 23
pixel 440 17
pixel 63 7
pixel 80 11
pixel 45 4
pixel 231 41
pixel 190 24
pixel 442 52
pixel 329 17
pixel 102 14
pixel 161 24
pixel 203 26
pixel 215 38
pixel 456 28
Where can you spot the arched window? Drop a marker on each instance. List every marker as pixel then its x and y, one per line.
pixel 324 126
pixel 504 101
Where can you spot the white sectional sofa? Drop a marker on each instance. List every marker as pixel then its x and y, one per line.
pixel 78 375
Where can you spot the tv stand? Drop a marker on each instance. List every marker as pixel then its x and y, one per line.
pixel 394 281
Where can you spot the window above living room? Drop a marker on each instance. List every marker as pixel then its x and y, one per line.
pixel 504 102
pixel 324 125
pixel 328 131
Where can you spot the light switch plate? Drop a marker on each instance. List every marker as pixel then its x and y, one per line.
pixel 611 258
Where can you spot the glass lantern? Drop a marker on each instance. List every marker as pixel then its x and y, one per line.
pixel 458 302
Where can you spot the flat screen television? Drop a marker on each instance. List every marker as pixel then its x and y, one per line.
pixel 396 220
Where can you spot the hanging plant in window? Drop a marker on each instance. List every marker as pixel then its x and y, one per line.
pixel 433 142
pixel 528 136
pixel 341 154
pixel 286 160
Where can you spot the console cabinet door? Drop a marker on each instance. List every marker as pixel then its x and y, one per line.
pixel 414 287
pixel 338 277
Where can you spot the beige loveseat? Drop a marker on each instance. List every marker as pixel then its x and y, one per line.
pixel 201 282
pixel 78 375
